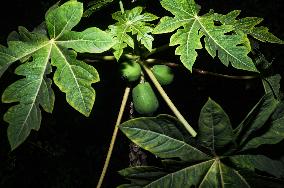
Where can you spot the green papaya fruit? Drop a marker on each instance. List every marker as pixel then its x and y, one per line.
pixel 163 73
pixel 130 70
pixel 144 99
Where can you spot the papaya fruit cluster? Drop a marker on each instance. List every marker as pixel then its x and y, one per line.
pixel 144 99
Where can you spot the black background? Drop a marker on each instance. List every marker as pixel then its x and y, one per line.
pixel 69 149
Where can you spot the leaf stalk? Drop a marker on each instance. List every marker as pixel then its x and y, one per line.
pixel 168 100
pixel 114 135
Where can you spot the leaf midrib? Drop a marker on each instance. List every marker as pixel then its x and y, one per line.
pixel 186 168
pixel 187 41
pixel 208 35
pixel 63 29
pixel 71 70
pixel 36 93
pixel 168 137
pixel 9 56
pixel 208 171
pixel 182 10
pixel 126 26
pixel 32 51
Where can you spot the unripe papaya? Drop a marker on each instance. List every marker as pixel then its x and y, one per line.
pixel 130 70
pixel 144 99
pixel 163 73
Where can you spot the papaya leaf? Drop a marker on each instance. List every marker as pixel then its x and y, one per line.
pixel 188 176
pixel 92 40
pixel 54 6
pixel 231 46
pixel 63 18
pixel 215 130
pixel 93 6
pixel 31 91
pixel 131 21
pixel 231 177
pixel 203 174
pixel 184 166
pixel 38 52
pixel 262 64
pixel 243 24
pixel 262 33
pixel 263 181
pixel 74 78
pixel 248 26
pixel 272 84
pixel 259 162
pixel 141 171
pixel 275 132
pixel 161 136
pixel 141 175
pixel 256 118
pixel 6 58
pixel 187 49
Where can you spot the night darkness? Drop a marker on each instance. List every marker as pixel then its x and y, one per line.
pixel 69 149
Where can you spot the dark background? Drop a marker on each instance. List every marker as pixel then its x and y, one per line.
pixel 69 149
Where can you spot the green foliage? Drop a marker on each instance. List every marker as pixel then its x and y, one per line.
pixel 131 21
pixel 30 92
pixel 221 155
pixel 6 58
pixel 247 26
pixel 216 158
pixel 274 133
pixel 257 117
pixel 40 51
pixel 214 126
pixel 229 38
pixel 96 5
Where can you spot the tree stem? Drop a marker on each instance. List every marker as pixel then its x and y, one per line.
pixel 115 131
pixel 204 72
pixel 168 100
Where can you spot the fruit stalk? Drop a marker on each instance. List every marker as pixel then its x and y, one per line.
pixel 118 121
pixel 168 100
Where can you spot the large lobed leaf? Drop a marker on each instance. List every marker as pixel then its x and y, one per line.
pixel 164 137
pixel 95 5
pixel 131 21
pixel 74 78
pixel 31 91
pixel 141 175
pixel 260 162
pixel 272 84
pixel 20 46
pixel 211 173
pixel 91 40
pixel 230 47
pixel 35 49
pixel 6 58
pixel 274 133
pixel 228 40
pixel 256 118
pixel 215 130
pixel 63 18
pixel 248 26
pixel 161 136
